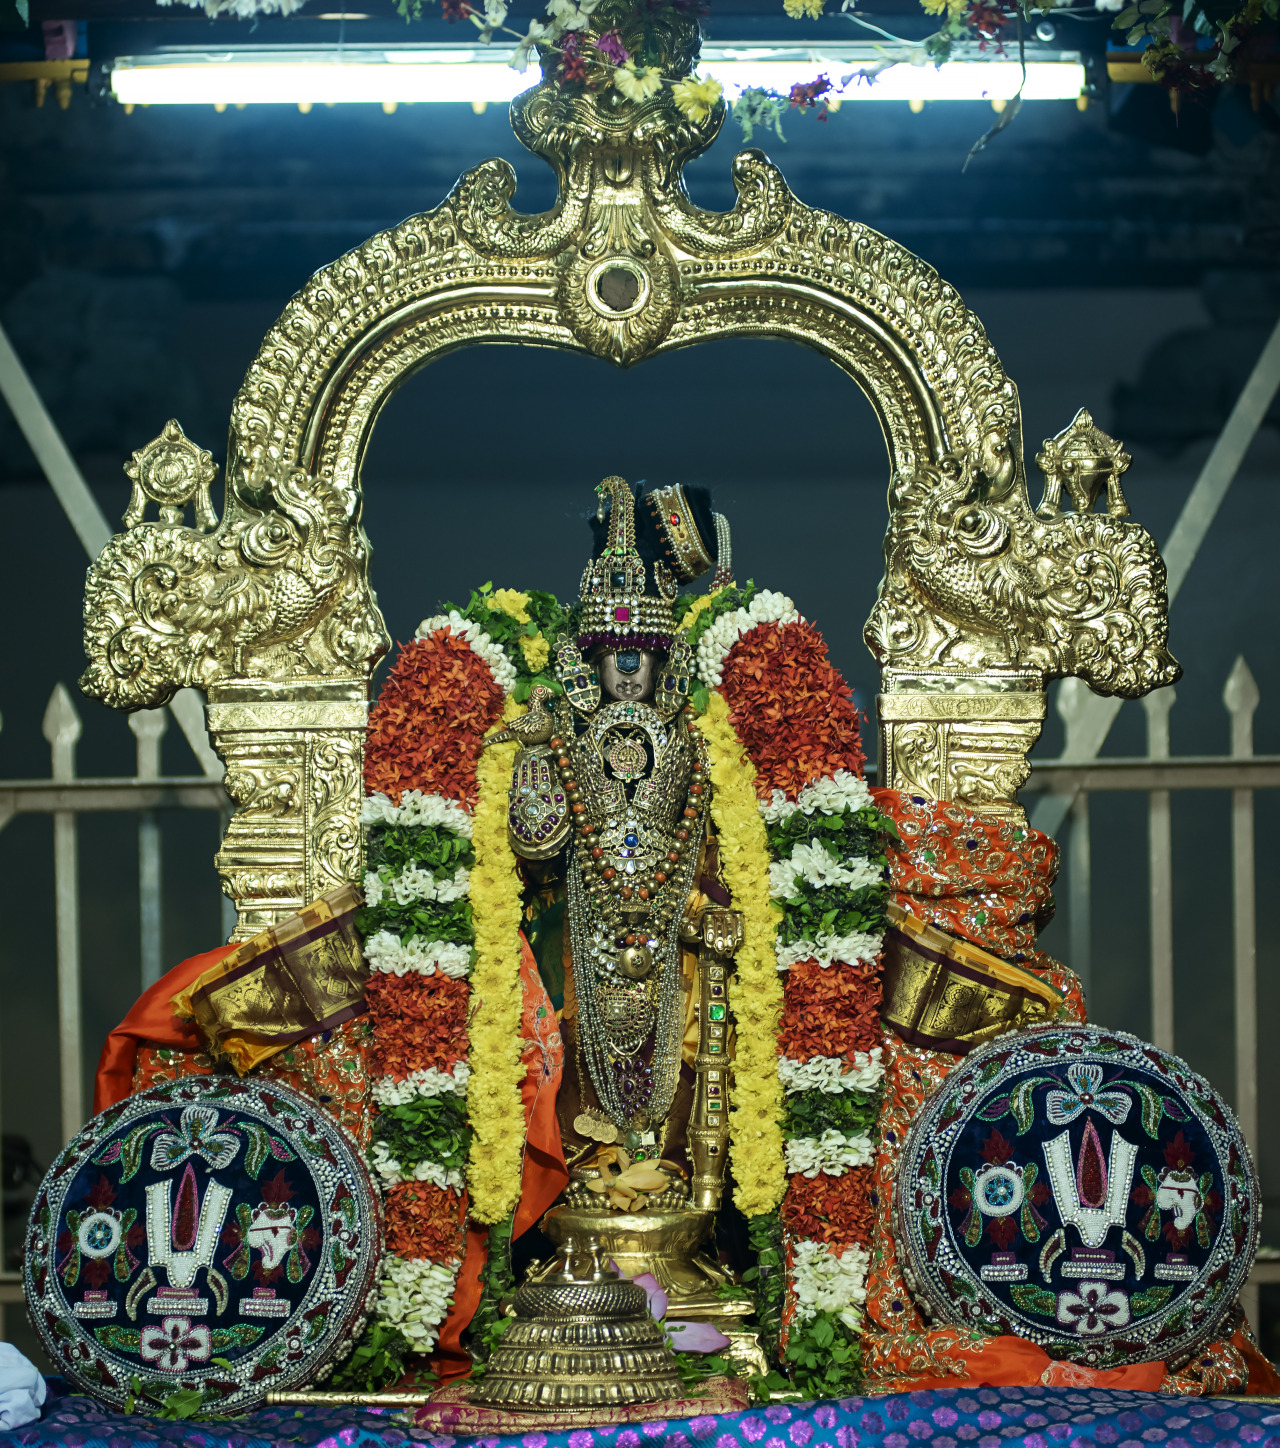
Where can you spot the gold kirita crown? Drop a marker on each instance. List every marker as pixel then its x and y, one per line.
pixel 616 610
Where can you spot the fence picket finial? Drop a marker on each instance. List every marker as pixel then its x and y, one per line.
pixel 1241 697
pixel 149 726
pixel 62 728
pixel 1072 706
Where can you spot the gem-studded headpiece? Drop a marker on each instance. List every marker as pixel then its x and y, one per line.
pixel 616 608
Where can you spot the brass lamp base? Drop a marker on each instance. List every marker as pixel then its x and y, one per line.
pixel 579 1344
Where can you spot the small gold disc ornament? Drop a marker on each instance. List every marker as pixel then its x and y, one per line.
pixel 595 1126
pixel 635 962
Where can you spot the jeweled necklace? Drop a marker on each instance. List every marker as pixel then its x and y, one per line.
pixel 628 881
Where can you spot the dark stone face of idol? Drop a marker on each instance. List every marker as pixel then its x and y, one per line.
pixel 627 674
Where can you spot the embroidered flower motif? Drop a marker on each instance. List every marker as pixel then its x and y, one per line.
pixel 176 1343
pixel 1093 1308
pixel 1084 1079
pixel 197 1135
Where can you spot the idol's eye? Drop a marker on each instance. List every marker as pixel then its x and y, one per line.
pixel 628 661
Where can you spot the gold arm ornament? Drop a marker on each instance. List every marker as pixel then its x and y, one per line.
pixel 947 994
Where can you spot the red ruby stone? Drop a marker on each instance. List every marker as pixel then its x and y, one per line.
pixel 622 615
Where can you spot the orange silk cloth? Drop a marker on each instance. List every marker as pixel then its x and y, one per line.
pixel 988 881
pixel 151 1027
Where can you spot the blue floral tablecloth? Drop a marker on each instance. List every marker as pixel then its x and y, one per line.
pixel 955 1418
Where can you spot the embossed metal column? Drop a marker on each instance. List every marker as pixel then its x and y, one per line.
pixel 961 735
pixel 293 752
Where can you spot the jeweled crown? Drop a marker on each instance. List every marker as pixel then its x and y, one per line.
pixel 616 609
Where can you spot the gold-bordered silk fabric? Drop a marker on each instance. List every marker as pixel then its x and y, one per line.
pixel 947 994
pixel 302 976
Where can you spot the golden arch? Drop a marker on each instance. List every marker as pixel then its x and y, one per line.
pixel 272 612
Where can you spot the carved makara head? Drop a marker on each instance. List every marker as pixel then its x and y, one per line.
pixel 975 580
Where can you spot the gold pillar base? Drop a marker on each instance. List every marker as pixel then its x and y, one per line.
pixel 579 1344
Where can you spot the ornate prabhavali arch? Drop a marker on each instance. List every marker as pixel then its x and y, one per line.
pixel 271 611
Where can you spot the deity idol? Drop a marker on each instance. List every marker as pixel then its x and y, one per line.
pixel 609 807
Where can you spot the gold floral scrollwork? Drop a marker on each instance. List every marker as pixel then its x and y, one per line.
pixel 278 590
pixel 334 844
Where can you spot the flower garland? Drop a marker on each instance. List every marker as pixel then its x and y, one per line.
pixel 755 1133
pixel 782 725
pixel 493 1172
pixel 441 921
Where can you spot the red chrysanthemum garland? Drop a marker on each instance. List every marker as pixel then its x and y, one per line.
pixel 433 711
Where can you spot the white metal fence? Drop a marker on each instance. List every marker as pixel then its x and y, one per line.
pixel 65 796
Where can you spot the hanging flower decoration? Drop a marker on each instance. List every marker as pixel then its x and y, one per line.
pixel 441 936
pixel 801 851
pixel 785 746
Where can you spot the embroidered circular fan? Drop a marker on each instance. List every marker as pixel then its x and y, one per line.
pixel 208 1236
pixel 1083 1189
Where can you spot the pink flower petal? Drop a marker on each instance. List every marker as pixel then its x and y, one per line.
pixel 695 1336
pixel 657 1297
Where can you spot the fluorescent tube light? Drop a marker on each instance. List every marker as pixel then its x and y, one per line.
pixel 442 73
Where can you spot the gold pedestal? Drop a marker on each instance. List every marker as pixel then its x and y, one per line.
pixel 579 1344
pixel 662 1243
pixel 666 1245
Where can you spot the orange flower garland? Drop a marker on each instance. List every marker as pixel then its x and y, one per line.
pixel 830 1010
pixel 424 1222
pixel 434 709
pixel 419 1021
pixel 836 1210
pixel 790 707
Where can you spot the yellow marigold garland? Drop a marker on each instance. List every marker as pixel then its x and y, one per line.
pixel 755 1131
pixel 493 1093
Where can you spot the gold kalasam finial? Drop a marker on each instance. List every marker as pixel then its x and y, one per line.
pixel 171 471
pixel 1082 458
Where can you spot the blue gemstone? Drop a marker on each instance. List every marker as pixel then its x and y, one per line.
pixel 632 840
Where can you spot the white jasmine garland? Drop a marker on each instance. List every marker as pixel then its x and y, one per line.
pixel 503 670
pixel 391 1173
pixel 414 882
pixel 415 1296
pixel 720 637
pixel 834 1152
pixel 387 1091
pixel 854 949
pixel 388 953
pixel 812 863
pixel 416 808
pixel 373 888
pixel 833 1074
pixel 831 795
pixel 825 1280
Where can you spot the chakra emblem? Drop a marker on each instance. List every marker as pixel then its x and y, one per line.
pixel 1081 1189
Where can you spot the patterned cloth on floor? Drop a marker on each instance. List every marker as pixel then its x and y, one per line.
pixel 1041 1417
